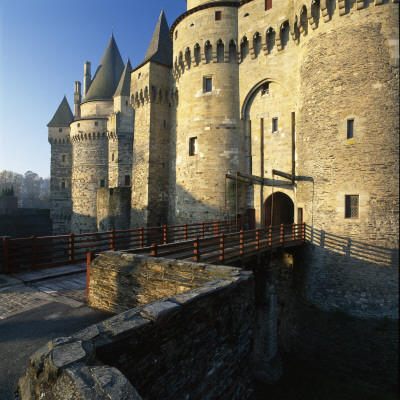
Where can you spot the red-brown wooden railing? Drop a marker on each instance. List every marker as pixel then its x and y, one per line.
pixel 225 247
pixel 42 252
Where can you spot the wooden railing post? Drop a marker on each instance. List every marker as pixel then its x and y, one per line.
pixel 6 245
pixel 270 236
pixel 185 232
pixel 303 231
pixel 141 237
pixel 241 243
pixel 33 253
pixel 196 250
pixel 154 250
pixel 257 239
pixel 112 239
pixel 89 259
pixel 293 231
pixel 203 230
pixel 165 234
pixel 282 240
pixel 215 228
pixel 222 248
pixel 71 248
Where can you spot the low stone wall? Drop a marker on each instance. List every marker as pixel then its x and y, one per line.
pixel 196 344
pixel 121 281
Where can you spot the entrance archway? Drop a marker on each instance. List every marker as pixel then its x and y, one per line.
pixel 282 212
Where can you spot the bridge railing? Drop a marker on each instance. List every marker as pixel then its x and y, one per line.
pixel 223 247
pixel 42 252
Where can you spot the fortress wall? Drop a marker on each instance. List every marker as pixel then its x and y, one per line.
pixel 101 108
pixel 90 155
pixel 348 72
pixel 60 171
pixel 152 98
pixel 210 117
pixel 146 352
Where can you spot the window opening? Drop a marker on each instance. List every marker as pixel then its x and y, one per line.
pixel 79 124
pixel 192 146
pixel 268 5
pixel 176 34
pixel 265 89
pixel 350 128
pixel 62 185
pixel 59 129
pixel 112 157
pixel 63 158
pixel 274 124
pixel 218 15
pixel 351 206
pixel 207 83
pixel 102 183
pixel 127 180
pixel 96 123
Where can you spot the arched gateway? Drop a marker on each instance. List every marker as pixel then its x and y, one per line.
pixel 278 209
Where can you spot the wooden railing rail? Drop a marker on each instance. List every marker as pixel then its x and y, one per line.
pixel 41 252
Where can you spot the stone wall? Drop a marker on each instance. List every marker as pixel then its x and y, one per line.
pixel 121 281
pixel 195 345
pixel 113 208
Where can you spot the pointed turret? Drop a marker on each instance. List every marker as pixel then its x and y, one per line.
pixel 124 85
pixel 63 115
pixel 160 49
pixel 108 74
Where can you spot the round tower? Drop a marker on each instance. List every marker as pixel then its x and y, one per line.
pixel 208 139
pixel 89 139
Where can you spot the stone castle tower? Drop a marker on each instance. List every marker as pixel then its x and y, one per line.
pixel 239 89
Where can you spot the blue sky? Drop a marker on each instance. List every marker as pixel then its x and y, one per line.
pixel 43 46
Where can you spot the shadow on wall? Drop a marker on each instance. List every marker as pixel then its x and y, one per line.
pixel 341 274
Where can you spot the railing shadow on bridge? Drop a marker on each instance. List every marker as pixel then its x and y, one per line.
pixel 32 253
pixel 352 248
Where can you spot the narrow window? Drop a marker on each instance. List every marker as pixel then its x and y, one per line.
pixel 102 183
pixel 265 89
pixel 59 129
pixel 218 15
pixel 350 128
pixel 63 158
pixel 112 157
pixel 127 180
pixel 351 206
pixel 62 185
pixel 176 34
pixel 274 124
pixel 126 102
pixel 268 5
pixel 207 83
pixel 192 146
pixel 165 123
pixel 79 124
pixel 96 123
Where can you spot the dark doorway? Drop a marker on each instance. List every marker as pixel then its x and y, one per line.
pixel 251 218
pixel 283 210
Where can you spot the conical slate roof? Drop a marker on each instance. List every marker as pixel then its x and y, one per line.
pixel 63 115
pixel 108 74
pixel 160 49
pixel 123 88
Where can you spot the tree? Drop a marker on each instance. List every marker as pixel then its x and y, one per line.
pixel 11 179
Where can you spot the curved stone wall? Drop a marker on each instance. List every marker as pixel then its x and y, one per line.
pixel 208 115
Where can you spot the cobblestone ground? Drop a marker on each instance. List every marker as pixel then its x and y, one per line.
pixel 19 298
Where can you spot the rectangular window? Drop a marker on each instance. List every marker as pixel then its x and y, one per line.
pixel 79 124
pixel 268 4
pixel 127 180
pixel 96 123
pixel 207 83
pixel 102 183
pixel 192 146
pixel 351 206
pixel 274 124
pixel 63 158
pixel 59 129
pixel 350 128
pixel 62 185
pixel 218 15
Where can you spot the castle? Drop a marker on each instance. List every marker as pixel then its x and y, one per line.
pixel 233 91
